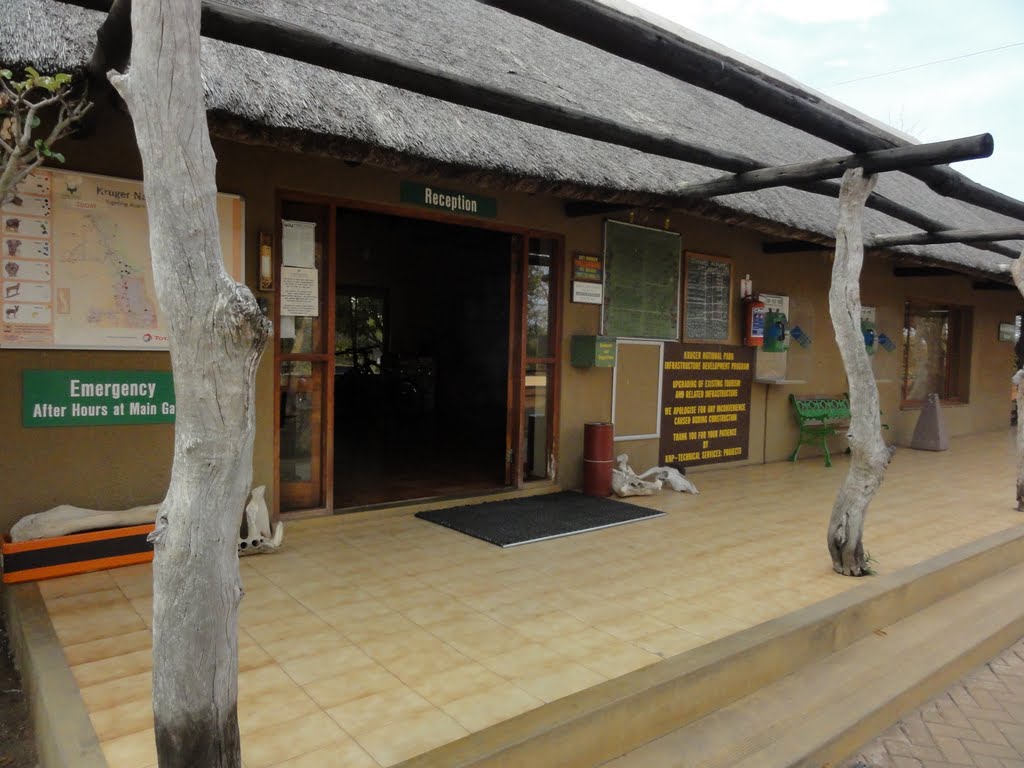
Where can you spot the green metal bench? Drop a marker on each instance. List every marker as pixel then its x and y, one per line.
pixel 820 417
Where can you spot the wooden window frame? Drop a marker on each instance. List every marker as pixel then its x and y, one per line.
pixel 957 374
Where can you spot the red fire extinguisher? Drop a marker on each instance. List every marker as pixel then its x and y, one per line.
pixel 753 321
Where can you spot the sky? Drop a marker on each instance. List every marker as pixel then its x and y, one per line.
pixel 825 44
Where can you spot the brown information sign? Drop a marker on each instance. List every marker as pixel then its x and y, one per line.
pixel 705 415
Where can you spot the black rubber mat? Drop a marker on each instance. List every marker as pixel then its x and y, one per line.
pixel 536 518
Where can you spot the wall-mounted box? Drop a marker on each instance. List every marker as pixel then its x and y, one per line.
pixel 592 352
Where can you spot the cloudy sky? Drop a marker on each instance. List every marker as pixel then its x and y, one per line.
pixel 828 43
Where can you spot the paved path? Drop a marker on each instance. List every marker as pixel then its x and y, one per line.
pixel 978 722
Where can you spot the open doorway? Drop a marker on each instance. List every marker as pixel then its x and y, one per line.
pixel 421 359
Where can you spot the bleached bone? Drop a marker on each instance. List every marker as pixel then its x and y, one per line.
pixel 675 479
pixel 258 535
pixel 67 519
pixel 625 482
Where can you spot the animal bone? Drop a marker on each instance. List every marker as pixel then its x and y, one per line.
pixel 258 534
pixel 66 519
pixel 675 479
pixel 626 482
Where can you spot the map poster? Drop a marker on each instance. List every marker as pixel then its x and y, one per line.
pixel 76 270
pixel 705 414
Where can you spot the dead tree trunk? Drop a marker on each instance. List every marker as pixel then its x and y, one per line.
pixel 1017 270
pixel 217 335
pixel 870 455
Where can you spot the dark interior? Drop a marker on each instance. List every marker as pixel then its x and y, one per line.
pixel 422 355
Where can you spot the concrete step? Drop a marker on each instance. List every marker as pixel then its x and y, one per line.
pixel 712 683
pixel 824 711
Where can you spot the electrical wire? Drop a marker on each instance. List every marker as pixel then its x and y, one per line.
pixel 928 64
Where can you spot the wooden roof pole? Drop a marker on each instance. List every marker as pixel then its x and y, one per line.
pixel 611 30
pixel 896 159
pixel 947 236
pixel 239 26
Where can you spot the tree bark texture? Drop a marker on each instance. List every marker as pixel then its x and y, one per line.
pixel 217 335
pixel 870 455
pixel 1017 270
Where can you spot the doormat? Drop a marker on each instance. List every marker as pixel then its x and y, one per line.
pixel 537 518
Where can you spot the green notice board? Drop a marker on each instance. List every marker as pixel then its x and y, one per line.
pixel 92 398
pixel 641 296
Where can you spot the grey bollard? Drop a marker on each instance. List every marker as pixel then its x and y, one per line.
pixel 930 433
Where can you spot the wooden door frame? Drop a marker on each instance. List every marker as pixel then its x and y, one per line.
pixel 517 330
pixel 325 358
pixel 553 358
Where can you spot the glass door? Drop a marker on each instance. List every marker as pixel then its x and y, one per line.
pixel 540 302
pixel 303 324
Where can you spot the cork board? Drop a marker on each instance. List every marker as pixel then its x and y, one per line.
pixel 636 390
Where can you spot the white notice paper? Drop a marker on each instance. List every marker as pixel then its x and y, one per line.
pixel 300 292
pixel 287 327
pixel 587 293
pixel 298 243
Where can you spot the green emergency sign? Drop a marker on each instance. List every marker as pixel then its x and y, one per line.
pixel 96 398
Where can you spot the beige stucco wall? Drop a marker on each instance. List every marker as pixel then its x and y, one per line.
pixel 113 467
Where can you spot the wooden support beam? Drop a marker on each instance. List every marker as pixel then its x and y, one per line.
pixel 629 37
pixel 221 21
pixel 113 42
pixel 896 159
pixel 575 209
pixel 794 246
pixel 947 236
pixel 923 272
pixel 993 285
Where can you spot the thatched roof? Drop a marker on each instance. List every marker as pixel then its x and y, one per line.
pixel 260 98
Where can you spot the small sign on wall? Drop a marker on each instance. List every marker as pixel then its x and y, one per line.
pixel 587 279
pixel 587 293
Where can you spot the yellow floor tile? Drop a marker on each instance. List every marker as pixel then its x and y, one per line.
pixel 293 738
pixel 330 663
pixel 122 720
pixel 111 693
pixel 479 710
pixel 136 750
pixel 93 672
pixel 456 683
pixel 414 735
pixel 341 754
pixel 379 709
pixel 559 682
pixel 259 712
pixel 107 647
pixel 365 681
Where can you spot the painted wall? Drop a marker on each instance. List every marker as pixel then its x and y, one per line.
pixel 116 467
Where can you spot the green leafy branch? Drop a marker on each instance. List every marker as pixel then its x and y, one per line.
pixel 23 104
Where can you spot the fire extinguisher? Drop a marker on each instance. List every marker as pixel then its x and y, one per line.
pixel 753 321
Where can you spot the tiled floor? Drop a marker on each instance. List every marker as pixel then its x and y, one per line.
pixel 370 640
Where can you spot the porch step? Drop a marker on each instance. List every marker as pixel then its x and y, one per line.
pixel 828 709
pixel 797 690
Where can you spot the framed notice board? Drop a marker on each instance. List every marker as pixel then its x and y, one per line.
pixel 705 417
pixel 708 298
pixel 641 282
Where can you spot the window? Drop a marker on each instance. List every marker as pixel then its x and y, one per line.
pixel 359 332
pixel 936 352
